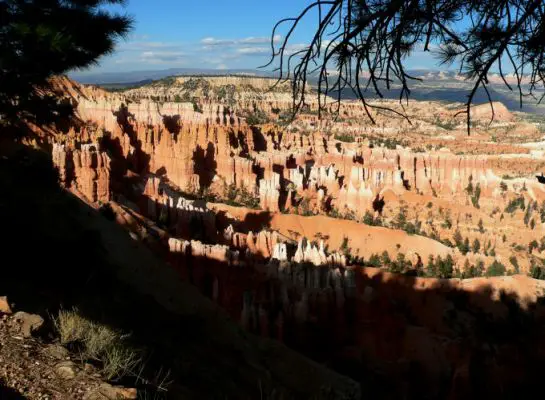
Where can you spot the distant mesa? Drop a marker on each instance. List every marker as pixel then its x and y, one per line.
pixel 485 111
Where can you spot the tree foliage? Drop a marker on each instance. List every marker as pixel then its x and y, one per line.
pixel 476 246
pixel 362 46
pixel 39 39
pixel 496 269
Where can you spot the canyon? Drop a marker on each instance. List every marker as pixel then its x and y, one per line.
pixel 379 250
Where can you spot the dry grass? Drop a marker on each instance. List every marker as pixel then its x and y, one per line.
pixel 98 343
pixel 119 360
pixel 71 326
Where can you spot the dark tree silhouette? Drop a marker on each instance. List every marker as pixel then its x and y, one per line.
pixel 362 46
pixel 42 38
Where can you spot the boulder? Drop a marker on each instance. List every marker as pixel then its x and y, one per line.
pixel 26 324
pixel 4 305
pixel 66 370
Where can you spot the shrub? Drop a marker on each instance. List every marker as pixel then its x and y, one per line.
pixel 527 215
pixel 399 265
pixel 447 224
pixel 344 137
pixel 469 188
pixel 334 213
pixel 480 268
pixel 197 107
pixel 532 245
pixel 98 342
pixel 430 267
pixel 480 225
pixel 345 249
pixel 447 125
pixel 476 196
pixel 542 244
pixel 437 267
pixel 495 269
pixel 410 228
pixel 234 196
pixel 401 218
pixel 503 186
pixel 230 193
pixel 476 246
pixel 515 203
pixel 385 258
pixel 465 247
pixel 473 271
pixel 350 215
pixel 374 260
pixel 247 199
pixel 119 361
pixel 368 218
pixel 514 262
pixel 258 117
pixel 304 208
pixel 458 239
pixel 429 205
pixel 446 268
pixel 70 326
pixel 536 271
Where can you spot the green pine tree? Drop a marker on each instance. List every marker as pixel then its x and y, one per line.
pixel 41 39
pixel 476 246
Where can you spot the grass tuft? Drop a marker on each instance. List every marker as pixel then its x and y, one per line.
pixel 98 343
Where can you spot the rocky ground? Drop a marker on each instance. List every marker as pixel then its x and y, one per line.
pixel 32 367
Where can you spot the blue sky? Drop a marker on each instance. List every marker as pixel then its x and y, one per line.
pixel 216 34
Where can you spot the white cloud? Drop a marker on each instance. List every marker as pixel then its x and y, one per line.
pixel 146 45
pixel 211 41
pixel 254 51
pixel 141 51
pixel 294 48
pixel 260 40
pixel 162 57
pixel 136 36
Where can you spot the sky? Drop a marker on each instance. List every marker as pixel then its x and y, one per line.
pixel 212 34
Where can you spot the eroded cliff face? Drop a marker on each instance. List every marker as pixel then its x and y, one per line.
pixel 163 165
pixel 87 170
pixel 198 150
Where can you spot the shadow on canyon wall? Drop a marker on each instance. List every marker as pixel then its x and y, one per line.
pixel 205 165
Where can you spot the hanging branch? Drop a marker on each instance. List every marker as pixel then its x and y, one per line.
pixel 365 44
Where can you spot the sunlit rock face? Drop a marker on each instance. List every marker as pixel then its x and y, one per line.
pixel 86 170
